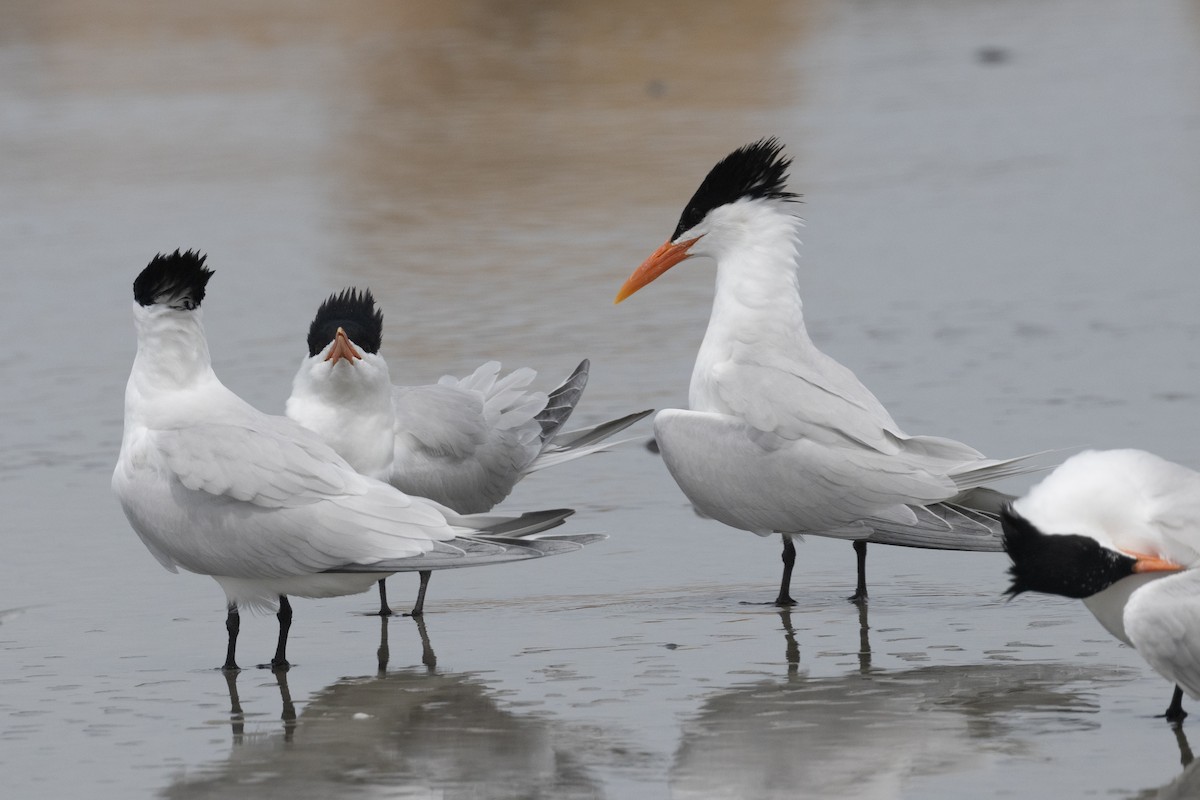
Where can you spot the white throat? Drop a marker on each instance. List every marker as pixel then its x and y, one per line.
pixel 757 299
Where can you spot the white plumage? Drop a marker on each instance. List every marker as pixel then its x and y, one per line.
pixel 778 436
pixel 464 442
pixel 264 506
pixel 1135 518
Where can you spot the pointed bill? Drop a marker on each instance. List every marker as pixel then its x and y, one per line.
pixel 342 349
pixel 659 262
pixel 1149 563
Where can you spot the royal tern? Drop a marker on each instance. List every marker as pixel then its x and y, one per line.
pixel 1120 530
pixel 258 502
pixel 779 437
pixel 462 442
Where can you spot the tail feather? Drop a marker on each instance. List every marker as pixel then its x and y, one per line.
pixel 506 525
pixel 477 551
pixel 581 442
pixel 562 401
pixel 943 526
pixel 976 474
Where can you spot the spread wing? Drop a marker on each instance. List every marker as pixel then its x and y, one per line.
pixel 466 442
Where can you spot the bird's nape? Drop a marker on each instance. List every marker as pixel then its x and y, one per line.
pixel 756 171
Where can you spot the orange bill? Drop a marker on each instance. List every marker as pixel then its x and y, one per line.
pixel 659 262
pixel 1149 563
pixel 342 348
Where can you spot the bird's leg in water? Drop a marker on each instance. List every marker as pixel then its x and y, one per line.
pixel 1185 749
pixel 280 662
pixel 860 553
pixel 233 623
pixel 419 608
pixel 237 719
pixel 288 715
pixel 864 640
pixel 792 653
pixel 384 652
pixel 789 561
pixel 1175 712
pixel 428 657
pixel 384 609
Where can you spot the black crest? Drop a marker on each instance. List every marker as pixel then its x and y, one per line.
pixel 755 171
pixel 353 311
pixel 1062 564
pixel 176 280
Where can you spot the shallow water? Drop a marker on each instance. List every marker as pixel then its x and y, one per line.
pixel 1001 200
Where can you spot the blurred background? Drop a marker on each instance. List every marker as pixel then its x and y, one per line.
pixel 1001 200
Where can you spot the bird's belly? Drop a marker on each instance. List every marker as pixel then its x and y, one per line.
pixel 263 594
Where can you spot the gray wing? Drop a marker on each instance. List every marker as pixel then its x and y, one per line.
pixel 268 461
pixel 1162 620
pixel 466 442
pixel 264 498
pixel 562 401
pixel 763 482
pixel 476 551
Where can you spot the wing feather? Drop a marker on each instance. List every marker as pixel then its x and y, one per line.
pixel 466 442
pixel 268 461
pixel 760 481
pixel 1162 620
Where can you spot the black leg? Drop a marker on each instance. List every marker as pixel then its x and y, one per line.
pixel 233 623
pixel 419 608
pixel 280 662
pixel 1175 712
pixel 384 652
pixel 860 553
pixel 384 609
pixel 789 561
pixel 1185 749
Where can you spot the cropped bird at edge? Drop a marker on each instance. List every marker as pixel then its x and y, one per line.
pixel 464 442
pixel 214 486
pixel 779 437
pixel 1120 530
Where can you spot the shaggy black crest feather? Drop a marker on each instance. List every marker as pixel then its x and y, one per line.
pixel 176 280
pixel 1062 564
pixel 354 312
pixel 755 171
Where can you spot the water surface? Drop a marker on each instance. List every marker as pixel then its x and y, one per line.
pixel 1001 202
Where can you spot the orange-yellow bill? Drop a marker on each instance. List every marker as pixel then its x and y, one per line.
pixel 659 262
pixel 342 348
pixel 1148 563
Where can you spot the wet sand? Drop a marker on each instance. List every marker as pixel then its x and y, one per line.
pixel 1001 204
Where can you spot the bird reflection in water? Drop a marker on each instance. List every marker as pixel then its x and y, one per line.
pixel 428 657
pixel 237 717
pixel 1185 785
pixel 792 652
pixel 411 728
pixel 870 731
